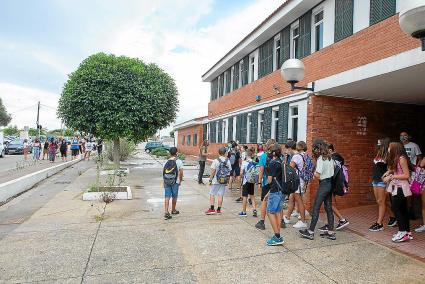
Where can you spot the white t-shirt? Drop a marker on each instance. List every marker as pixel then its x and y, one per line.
pixel 413 151
pixel 299 161
pixel 245 168
pixel 325 168
pixel 216 165
pixel 179 164
pixel 89 146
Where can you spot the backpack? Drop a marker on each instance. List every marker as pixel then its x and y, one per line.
pixel 340 179
pixel 252 172
pixel 232 157
pixel 307 172
pixel 290 180
pixel 417 181
pixel 170 172
pixel 223 172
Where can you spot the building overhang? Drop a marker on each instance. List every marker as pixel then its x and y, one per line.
pixel 190 123
pixel 286 14
pixel 397 79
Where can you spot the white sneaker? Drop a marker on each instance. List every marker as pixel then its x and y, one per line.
pixel 398 236
pixel 420 229
pixel 295 214
pixel 306 213
pixel 300 225
pixel 286 220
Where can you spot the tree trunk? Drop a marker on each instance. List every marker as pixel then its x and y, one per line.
pixel 116 153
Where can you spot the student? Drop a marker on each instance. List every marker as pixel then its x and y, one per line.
pixel 26 148
pixel 203 153
pixel 52 150
pixel 412 149
pixel 296 150
pixel 324 172
pixel 379 186
pixel 220 173
pixel 421 229
pixel 262 187
pixel 248 186
pixel 234 158
pixel 397 178
pixel 172 176
pixel 63 149
pixel 243 149
pixel 260 151
pixel 75 148
pixel 89 149
pixel 36 148
pixel 275 195
pixel 46 148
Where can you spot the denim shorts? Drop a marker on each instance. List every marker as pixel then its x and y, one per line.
pixel 217 189
pixel 275 203
pixel 171 191
pixel 379 184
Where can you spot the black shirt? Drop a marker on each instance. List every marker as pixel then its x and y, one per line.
pixel 237 158
pixel 274 169
pixel 379 169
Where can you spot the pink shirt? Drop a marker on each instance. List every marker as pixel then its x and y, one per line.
pixel 403 184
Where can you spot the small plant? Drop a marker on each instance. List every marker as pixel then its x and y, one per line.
pixel 160 152
pixel 94 187
pixel 127 149
pixel 181 156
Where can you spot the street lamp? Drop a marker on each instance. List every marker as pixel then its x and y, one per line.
pixel 293 71
pixel 412 19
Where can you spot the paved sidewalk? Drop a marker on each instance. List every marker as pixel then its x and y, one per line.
pixel 62 242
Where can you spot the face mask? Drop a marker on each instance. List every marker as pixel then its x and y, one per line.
pixel 403 138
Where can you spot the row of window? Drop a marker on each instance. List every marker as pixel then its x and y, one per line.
pixel 297 40
pixel 186 140
pixel 277 122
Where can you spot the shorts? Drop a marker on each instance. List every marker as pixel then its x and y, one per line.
pixel 217 189
pixel 236 171
pixel 171 190
pixel 75 152
pixel 248 189
pixel 264 192
pixel 63 154
pixel 379 184
pixel 275 203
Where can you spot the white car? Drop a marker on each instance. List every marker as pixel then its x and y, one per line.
pixel 2 146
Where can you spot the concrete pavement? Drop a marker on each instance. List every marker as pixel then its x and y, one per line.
pixel 63 242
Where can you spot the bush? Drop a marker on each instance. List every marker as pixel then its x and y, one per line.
pixel 160 152
pixel 127 149
pixel 181 156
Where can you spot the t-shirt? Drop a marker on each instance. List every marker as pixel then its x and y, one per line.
pixel 202 153
pixel 216 165
pixel 325 168
pixel 179 164
pixel 299 162
pixel 89 146
pixel 74 144
pixel 25 145
pixel 275 170
pixel 413 151
pixel 262 163
pixel 379 169
pixel 245 168
pixel 46 145
pixel 52 146
pixel 237 157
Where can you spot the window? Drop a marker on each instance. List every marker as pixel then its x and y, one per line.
pixel 295 35
pixel 318 31
pixel 232 71
pixel 343 19
pixel 224 131
pixel 234 129
pixel 248 126
pixel 195 139
pixel 381 10
pixel 244 71
pixel 241 67
pixel 293 123
pixel 188 140
pixel 220 85
pixel 276 53
pixel 208 131
pixel 216 132
pixel 253 68
pixel 260 126
pixel 227 82
pixel 183 139
pixel 275 123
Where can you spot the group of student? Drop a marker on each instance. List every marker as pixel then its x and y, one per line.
pixel 85 146
pixel 282 173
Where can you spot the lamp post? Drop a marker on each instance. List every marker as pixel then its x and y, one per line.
pixel 412 19
pixel 293 71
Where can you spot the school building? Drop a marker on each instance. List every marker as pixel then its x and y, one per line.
pixel 368 83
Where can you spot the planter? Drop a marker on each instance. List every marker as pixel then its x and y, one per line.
pixel 113 192
pixel 125 171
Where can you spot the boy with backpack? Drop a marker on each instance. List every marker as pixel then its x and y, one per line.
pixel 220 174
pixel 250 172
pixel 172 175
pixel 234 156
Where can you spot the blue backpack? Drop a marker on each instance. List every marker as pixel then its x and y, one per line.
pixel 252 172
pixel 307 172
pixel 223 172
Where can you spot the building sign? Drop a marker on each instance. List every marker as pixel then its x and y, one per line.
pixel 361 125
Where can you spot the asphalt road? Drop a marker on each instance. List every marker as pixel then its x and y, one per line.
pixel 9 161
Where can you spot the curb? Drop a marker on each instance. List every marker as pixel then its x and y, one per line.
pixel 13 188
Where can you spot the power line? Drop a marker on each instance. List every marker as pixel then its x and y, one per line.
pixel 22 109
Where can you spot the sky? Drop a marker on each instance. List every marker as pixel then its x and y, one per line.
pixel 43 41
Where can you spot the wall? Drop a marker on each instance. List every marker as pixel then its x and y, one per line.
pixel 189 149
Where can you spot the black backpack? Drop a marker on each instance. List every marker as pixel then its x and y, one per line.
pixel 170 172
pixel 290 179
pixel 339 184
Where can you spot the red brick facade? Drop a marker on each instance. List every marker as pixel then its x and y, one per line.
pixel 191 149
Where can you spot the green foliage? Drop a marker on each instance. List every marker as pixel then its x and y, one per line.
pixel 127 149
pixel 181 156
pixel 172 134
pixel 5 117
pixel 160 152
pixel 68 132
pixel 118 97
pixel 11 130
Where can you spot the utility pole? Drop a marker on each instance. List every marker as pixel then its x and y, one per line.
pixel 38 119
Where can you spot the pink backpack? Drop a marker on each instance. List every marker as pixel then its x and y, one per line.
pixel 417 181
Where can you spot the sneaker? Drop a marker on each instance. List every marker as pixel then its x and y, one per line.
pixel 254 213
pixel 282 224
pixel 410 235
pixel 300 225
pixel 260 225
pixel 420 229
pixel 323 228
pixel 306 234
pixel 242 214
pixel 286 220
pixel 167 216
pixel 295 214
pixel 342 224
pixel 376 227
pixel 392 222
pixel 210 212
pixel 175 212
pixel 239 200
pixel 274 241
pixel 401 237
pixel 218 211
pixel 328 236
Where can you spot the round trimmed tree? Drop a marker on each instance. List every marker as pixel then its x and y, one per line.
pixel 117 97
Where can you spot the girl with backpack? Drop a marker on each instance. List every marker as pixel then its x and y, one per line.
pixel 324 172
pixel 421 229
pixel 397 178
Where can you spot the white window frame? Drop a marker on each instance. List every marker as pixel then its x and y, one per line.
pixel 275 51
pixel 234 129
pixel 290 122
pixel 302 119
pixel 248 127
pixel 216 133
pixel 218 86
pixel 274 119
pixel 232 70
pixel 294 26
pixel 259 132
pixel 224 132
pixel 208 131
pixel 254 56
pixel 225 82
pixel 240 73
pixel 316 11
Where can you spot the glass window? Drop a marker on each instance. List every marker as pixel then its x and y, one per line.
pixel 260 126
pixel 295 42
pixel 277 53
pixel 318 31
pixel 248 126
pixel 188 140
pixel 294 124
pixel 195 139
pixel 275 124
pixel 183 139
pixel 252 68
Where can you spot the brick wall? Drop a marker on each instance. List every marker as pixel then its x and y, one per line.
pixel 371 44
pixel 190 149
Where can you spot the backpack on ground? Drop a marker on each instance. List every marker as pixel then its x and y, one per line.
pixel 340 179
pixel 252 172
pixel 307 172
pixel 170 172
pixel 223 172
pixel 417 181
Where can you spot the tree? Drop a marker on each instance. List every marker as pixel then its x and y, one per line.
pixel 11 131
pixel 5 118
pixel 172 133
pixel 118 97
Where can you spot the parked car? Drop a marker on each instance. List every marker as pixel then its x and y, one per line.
pixel 17 147
pixel 151 145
